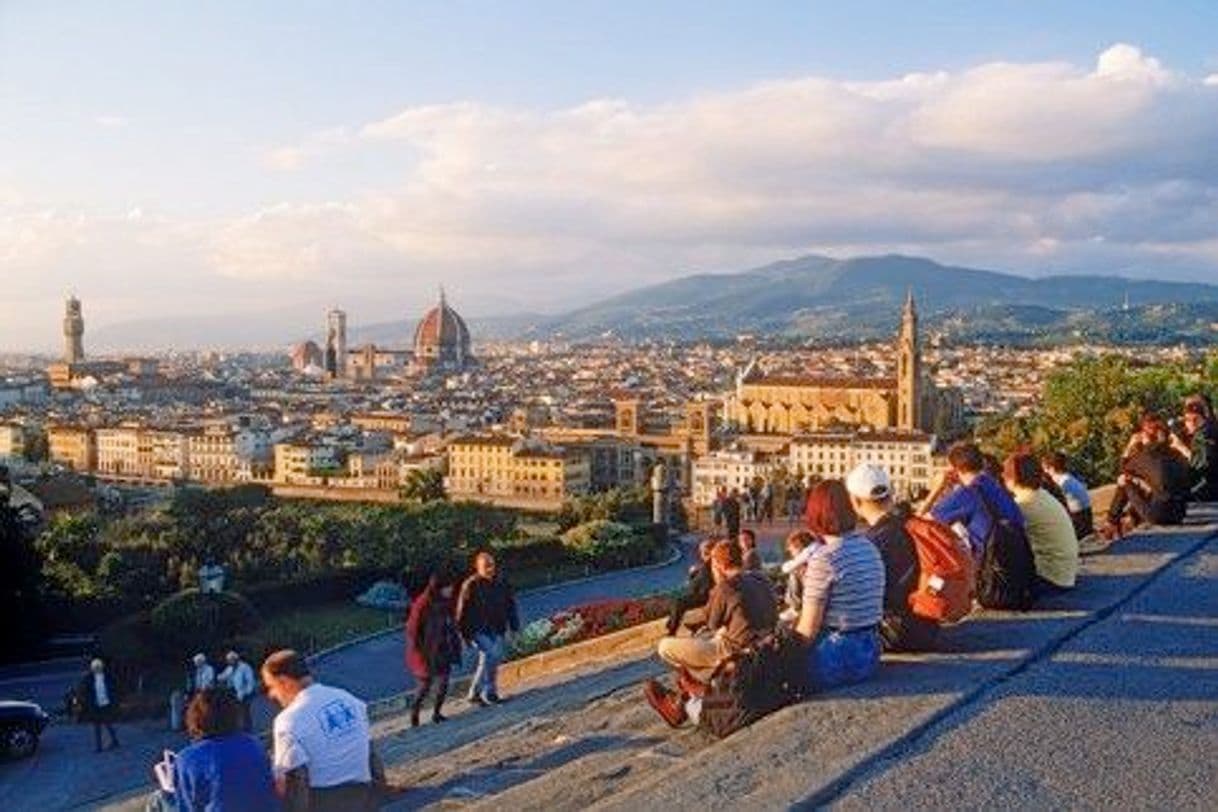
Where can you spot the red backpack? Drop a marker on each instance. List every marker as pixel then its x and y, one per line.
pixel 944 593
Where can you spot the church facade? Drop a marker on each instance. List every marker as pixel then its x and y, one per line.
pixel 908 402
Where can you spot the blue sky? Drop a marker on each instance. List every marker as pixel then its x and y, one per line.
pixel 177 157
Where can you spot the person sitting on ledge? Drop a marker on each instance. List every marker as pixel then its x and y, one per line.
pixel 1050 532
pixel 749 557
pixel 741 611
pixel 871 496
pixel 1078 499
pixel 797 555
pixel 225 767
pixel 697 591
pixel 967 494
pixel 1197 444
pixel 1154 481
pixel 843 598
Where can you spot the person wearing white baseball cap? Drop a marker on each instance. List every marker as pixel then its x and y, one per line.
pixel 871 496
pixel 202 676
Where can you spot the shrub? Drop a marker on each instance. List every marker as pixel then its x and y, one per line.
pixel 196 621
pixel 610 544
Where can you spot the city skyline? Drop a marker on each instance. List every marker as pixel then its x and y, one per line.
pixel 263 161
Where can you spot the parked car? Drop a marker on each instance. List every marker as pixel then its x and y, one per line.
pixel 21 723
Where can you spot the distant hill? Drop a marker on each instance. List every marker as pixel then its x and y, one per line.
pixel 813 296
pixel 852 298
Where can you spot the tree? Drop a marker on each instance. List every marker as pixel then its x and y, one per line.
pixel 21 585
pixel 36 447
pixel 424 485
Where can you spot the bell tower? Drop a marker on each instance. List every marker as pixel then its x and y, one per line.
pixel 73 332
pixel 909 370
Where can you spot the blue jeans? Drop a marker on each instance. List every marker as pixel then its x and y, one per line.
pixel 486 675
pixel 842 658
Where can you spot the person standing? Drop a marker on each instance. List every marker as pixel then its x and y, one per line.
pixel 322 755
pixel 433 644
pixel 202 675
pixel 238 676
pixel 486 611
pixel 99 702
pixel 731 513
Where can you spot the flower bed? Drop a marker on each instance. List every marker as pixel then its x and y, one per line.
pixel 586 622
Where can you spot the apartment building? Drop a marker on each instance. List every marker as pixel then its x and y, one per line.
pixel 905 455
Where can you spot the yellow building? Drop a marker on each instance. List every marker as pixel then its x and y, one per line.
pixel 905 455
pixel 766 404
pixel 122 452
pixel 389 422
pixel 12 440
pixel 510 472
pixel 211 454
pixel 73 446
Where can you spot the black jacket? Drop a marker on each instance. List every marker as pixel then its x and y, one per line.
pixel 86 694
pixel 1162 470
pixel 696 595
pixel 486 607
pixel 901 630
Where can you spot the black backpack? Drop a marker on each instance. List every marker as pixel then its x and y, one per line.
pixel 755 682
pixel 1008 568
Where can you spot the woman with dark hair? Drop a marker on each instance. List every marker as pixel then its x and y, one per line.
pixel 433 644
pixel 225 768
pixel 843 593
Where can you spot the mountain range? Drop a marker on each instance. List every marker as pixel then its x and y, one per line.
pixel 833 299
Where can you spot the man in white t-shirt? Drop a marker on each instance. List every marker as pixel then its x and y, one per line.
pixel 322 747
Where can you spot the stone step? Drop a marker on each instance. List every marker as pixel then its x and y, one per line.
pixel 587 739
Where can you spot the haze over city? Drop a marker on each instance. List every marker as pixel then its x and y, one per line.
pixel 275 160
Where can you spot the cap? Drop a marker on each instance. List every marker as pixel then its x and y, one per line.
pixel 870 482
pixel 200 658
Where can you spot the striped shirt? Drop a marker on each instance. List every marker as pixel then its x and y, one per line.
pixel 846 576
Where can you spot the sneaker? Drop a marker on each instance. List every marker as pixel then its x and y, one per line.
pixel 665 702
pixel 437 718
pixel 495 699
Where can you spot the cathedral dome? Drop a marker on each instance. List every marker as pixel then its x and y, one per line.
pixel 306 354
pixel 442 338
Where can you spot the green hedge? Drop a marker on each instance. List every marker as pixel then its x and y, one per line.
pixel 193 621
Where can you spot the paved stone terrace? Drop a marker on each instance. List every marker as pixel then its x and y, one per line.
pixel 1105 697
pixel 1009 702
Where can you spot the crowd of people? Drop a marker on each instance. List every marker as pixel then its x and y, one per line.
pixel 869 574
pixel 866 574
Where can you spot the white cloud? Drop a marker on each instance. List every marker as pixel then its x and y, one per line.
pixel 1028 166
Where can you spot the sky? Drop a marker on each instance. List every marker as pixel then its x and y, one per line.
pixel 271 159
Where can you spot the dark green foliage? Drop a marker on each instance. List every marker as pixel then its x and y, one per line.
pixel 627 505
pixel 21 587
pixel 192 621
pixel 424 486
pixel 1090 408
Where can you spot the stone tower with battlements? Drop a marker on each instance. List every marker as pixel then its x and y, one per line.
pixel 73 332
